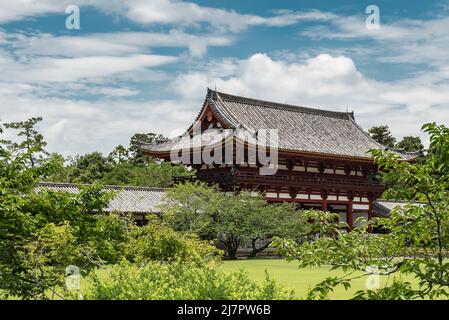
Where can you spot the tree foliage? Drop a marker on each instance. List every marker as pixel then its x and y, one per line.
pixel 158 242
pixel 42 232
pixel 383 135
pixel 230 218
pixel 123 167
pixel 32 143
pixel 418 234
pixel 119 154
pixel 411 144
pixel 137 155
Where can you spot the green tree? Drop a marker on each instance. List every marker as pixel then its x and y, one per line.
pixel 65 172
pixel 119 154
pixel 411 144
pixel 247 217
pixel 191 207
pixel 157 242
pixel 89 168
pixel 230 219
pixel 41 233
pixel 33 143
pixel 383 135
pixel 275 220
pixel 151 174
pixel 138 157
pixel 417 241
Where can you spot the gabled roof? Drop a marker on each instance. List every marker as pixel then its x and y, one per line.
pixel 301 129
pixel 128 199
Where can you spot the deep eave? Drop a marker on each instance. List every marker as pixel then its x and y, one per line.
pixel 303 131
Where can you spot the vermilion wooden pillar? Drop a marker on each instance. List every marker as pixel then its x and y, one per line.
pixel 370 216
pixel 324 197
pixel 324 205
pixel 349 215
pixel 371 199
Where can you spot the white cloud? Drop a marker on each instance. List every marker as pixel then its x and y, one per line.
pixel 402 41
pixel 330 83
pixel 100 58
pixel 111 44
pixel 115 92
pixel 75 69
pixel 78 126
pixel 65 70
pixel 188 13
pixel 20 9
pixel 176 12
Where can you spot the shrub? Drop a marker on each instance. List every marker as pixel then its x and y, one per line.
pixel 157 242
pixel 179 281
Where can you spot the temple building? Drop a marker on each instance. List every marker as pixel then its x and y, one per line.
pixel 321 158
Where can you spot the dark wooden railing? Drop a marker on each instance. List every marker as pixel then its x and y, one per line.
pixel 235 177
pixel 303 180
pixel 306 180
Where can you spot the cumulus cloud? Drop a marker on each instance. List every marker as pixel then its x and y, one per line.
pixel 78 126
pixel 51 76
pixel 20 9
pixel 328 82
pixel 44 64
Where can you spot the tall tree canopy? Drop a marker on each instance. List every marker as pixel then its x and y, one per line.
pixel 382 135
pixel 32 144
pixel 231 219
pixel 123 166
pixel 411 144
pixel 136 141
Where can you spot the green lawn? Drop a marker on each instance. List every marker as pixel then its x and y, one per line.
pixel 289 275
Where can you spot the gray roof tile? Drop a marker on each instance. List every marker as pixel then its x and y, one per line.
pixel 383 207
pixel 300 129
pixel 127 200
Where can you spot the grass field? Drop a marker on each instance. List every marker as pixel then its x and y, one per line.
pixel 289 275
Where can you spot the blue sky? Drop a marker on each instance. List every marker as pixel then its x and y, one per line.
pixel 144 66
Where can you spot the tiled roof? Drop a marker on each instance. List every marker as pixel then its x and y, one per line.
pixel 128 199
pixel 383 207
pixel 300 129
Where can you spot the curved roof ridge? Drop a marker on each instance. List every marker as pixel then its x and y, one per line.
pixel 276 105
pixel 221 113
